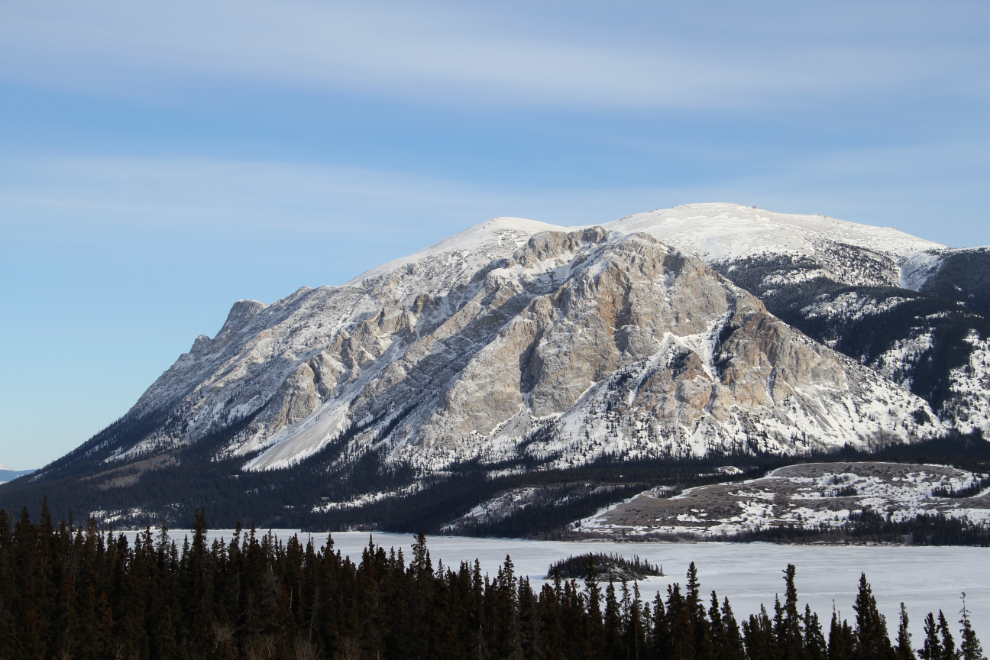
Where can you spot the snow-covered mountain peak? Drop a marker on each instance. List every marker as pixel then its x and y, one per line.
pixel 720 232
pixel 495 238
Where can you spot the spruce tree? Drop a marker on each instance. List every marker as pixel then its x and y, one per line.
pixel 551 632
pixel 872 641
pixel 790 641
pixel 529 622
pixel 596 627
pixel 814 646
pixel 969 647
pixel 164 644
pixel 904 650
pixel 30 622
pixel 67 629
pixel 679 624
pixel 420 564
pixel 932 649
pixel 761 643
pixel 949 651
pixel 95 624
pixel 841 640
pixel 7 588
pixel 634 635
pixel 660 642
pixel 734 649
pixel 612 620
pixel 719 642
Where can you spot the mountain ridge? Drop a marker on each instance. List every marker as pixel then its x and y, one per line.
pixel 520 347
pixel 452 264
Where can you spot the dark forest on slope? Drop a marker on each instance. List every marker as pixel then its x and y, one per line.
pixel 171 493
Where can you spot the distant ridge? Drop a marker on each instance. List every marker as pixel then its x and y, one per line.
pixel 7 474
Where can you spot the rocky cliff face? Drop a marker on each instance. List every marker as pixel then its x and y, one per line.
pixel 916 312
pixel 511 341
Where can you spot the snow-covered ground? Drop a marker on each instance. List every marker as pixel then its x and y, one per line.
pixel 369 498
pixel 971 387
pixel 729 232
pixel 924 578
pixel 849 306
pixel 804 495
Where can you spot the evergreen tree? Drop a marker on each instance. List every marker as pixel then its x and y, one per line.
pixel 734 649
pixel 719 640
pixel 949 651
pixel 703 649
pixel 679 625
pixel 612 620
pixel 660 647
pixel 420 565
pixel 758 632
pixel 872 642
pixel 904 650
pixel 164 644
pixel 635 628
pixel 31 576
pixel 814 646
pixel 932 649
pixel 65 621
pixel 841 639
pixel 507 633
pixel 529 623
pixel 95 624
pixel 7 589
pixel 551 631
pixel 969 647
pixel 790 640
pixel 595 632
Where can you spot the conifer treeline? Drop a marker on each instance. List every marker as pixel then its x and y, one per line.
pixel 70 592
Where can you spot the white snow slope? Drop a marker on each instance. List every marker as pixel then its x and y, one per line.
pixel 723 233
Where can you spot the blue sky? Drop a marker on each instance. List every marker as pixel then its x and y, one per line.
pixel 159 162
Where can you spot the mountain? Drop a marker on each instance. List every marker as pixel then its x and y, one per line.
pixel 516 352
pixel 7 474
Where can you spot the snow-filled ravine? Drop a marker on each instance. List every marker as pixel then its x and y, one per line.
pixel 924 578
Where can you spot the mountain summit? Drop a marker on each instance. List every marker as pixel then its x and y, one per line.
pixel 517 347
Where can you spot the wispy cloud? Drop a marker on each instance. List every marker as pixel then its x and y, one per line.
pixel 439 52
pixel 90 196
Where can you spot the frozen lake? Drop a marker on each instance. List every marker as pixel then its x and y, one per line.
pixel 925 579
